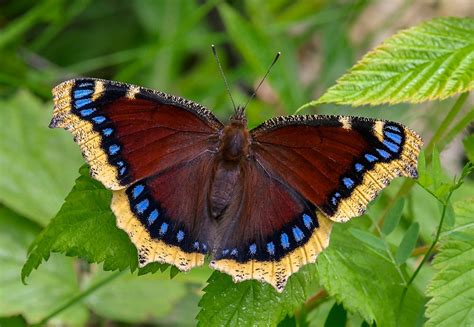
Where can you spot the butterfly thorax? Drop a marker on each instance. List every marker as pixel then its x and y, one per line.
pixel 233 149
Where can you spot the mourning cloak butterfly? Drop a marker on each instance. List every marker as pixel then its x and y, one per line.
pixel 260 203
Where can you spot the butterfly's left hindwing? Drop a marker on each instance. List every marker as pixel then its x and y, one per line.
pixel 127 132
pixel 337 163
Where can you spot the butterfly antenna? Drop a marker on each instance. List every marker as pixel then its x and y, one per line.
pixel 223 76
pixel 263 79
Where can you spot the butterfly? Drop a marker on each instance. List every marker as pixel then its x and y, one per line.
pixel 260 203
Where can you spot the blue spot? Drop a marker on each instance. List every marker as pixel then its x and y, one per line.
pixel 307 221
pixel 87 112
pixel 152 216
pixel 180 235
pixel 85 84
pixel 298 234
pixel 82 93
pixel 204 247
pixel 122 171
pixel 99 119
pixel 394 137
pixel 107 131
pixel 348 182
pixel 120 163
pixel 370 158
pixel 196 245
pixel 253 248
pixel 334 201
pixel 383 153
pixel 391 146
pixel 142 206
pixel 225 252
pixel 337 195
pixel 285 242
pixel 163 229
pixel 82 102
pixel 359 167
pixel 234 252
pixel 393 128
pixel 137 190
pixel 113 149
pixel 271 248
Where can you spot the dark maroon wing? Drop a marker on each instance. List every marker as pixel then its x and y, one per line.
pixel 166 215
pixel 154 150
pixel 268 231
pixel 338 164
pixel 127 132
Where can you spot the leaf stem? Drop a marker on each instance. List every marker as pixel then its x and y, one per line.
pixel 79 297
pixel 430 249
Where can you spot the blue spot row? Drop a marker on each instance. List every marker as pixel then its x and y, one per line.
pixel 99 119
pixel 137 190
pixel 114 149
pixel 308 221
pixel 81 93
pixel 87 112
pixel 153 216
pixel 180 235
pixel 298 234
pixel 81 103
pixel 142 206
pixel 253 249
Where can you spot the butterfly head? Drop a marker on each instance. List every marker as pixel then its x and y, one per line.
pixel 238 118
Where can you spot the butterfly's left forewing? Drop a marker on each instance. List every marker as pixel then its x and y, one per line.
pixel 154 151
pixel 337 163
pixel 127 132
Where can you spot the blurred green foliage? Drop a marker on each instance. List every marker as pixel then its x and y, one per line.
pixel 166 45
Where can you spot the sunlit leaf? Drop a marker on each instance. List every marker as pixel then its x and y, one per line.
pixel 433 60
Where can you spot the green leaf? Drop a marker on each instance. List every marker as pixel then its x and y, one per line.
pixel 469 147
pixel 393 217
pixel 451 289
pixel 134 299
pixel 337 316
pixel 47 290
pixel 362 280
pixel 84 227
pixel 407 244
pixel 41 163
pixel 369 239
pixel 252 303
pixel 433 60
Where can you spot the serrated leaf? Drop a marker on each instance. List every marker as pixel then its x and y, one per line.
pixel 36 158
pixel 47 290
pixel 393 217
pixel 452 288
pixel 407 244
pixel 433 60
pixel 84 227
pixel 362 280
pixel 252 303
